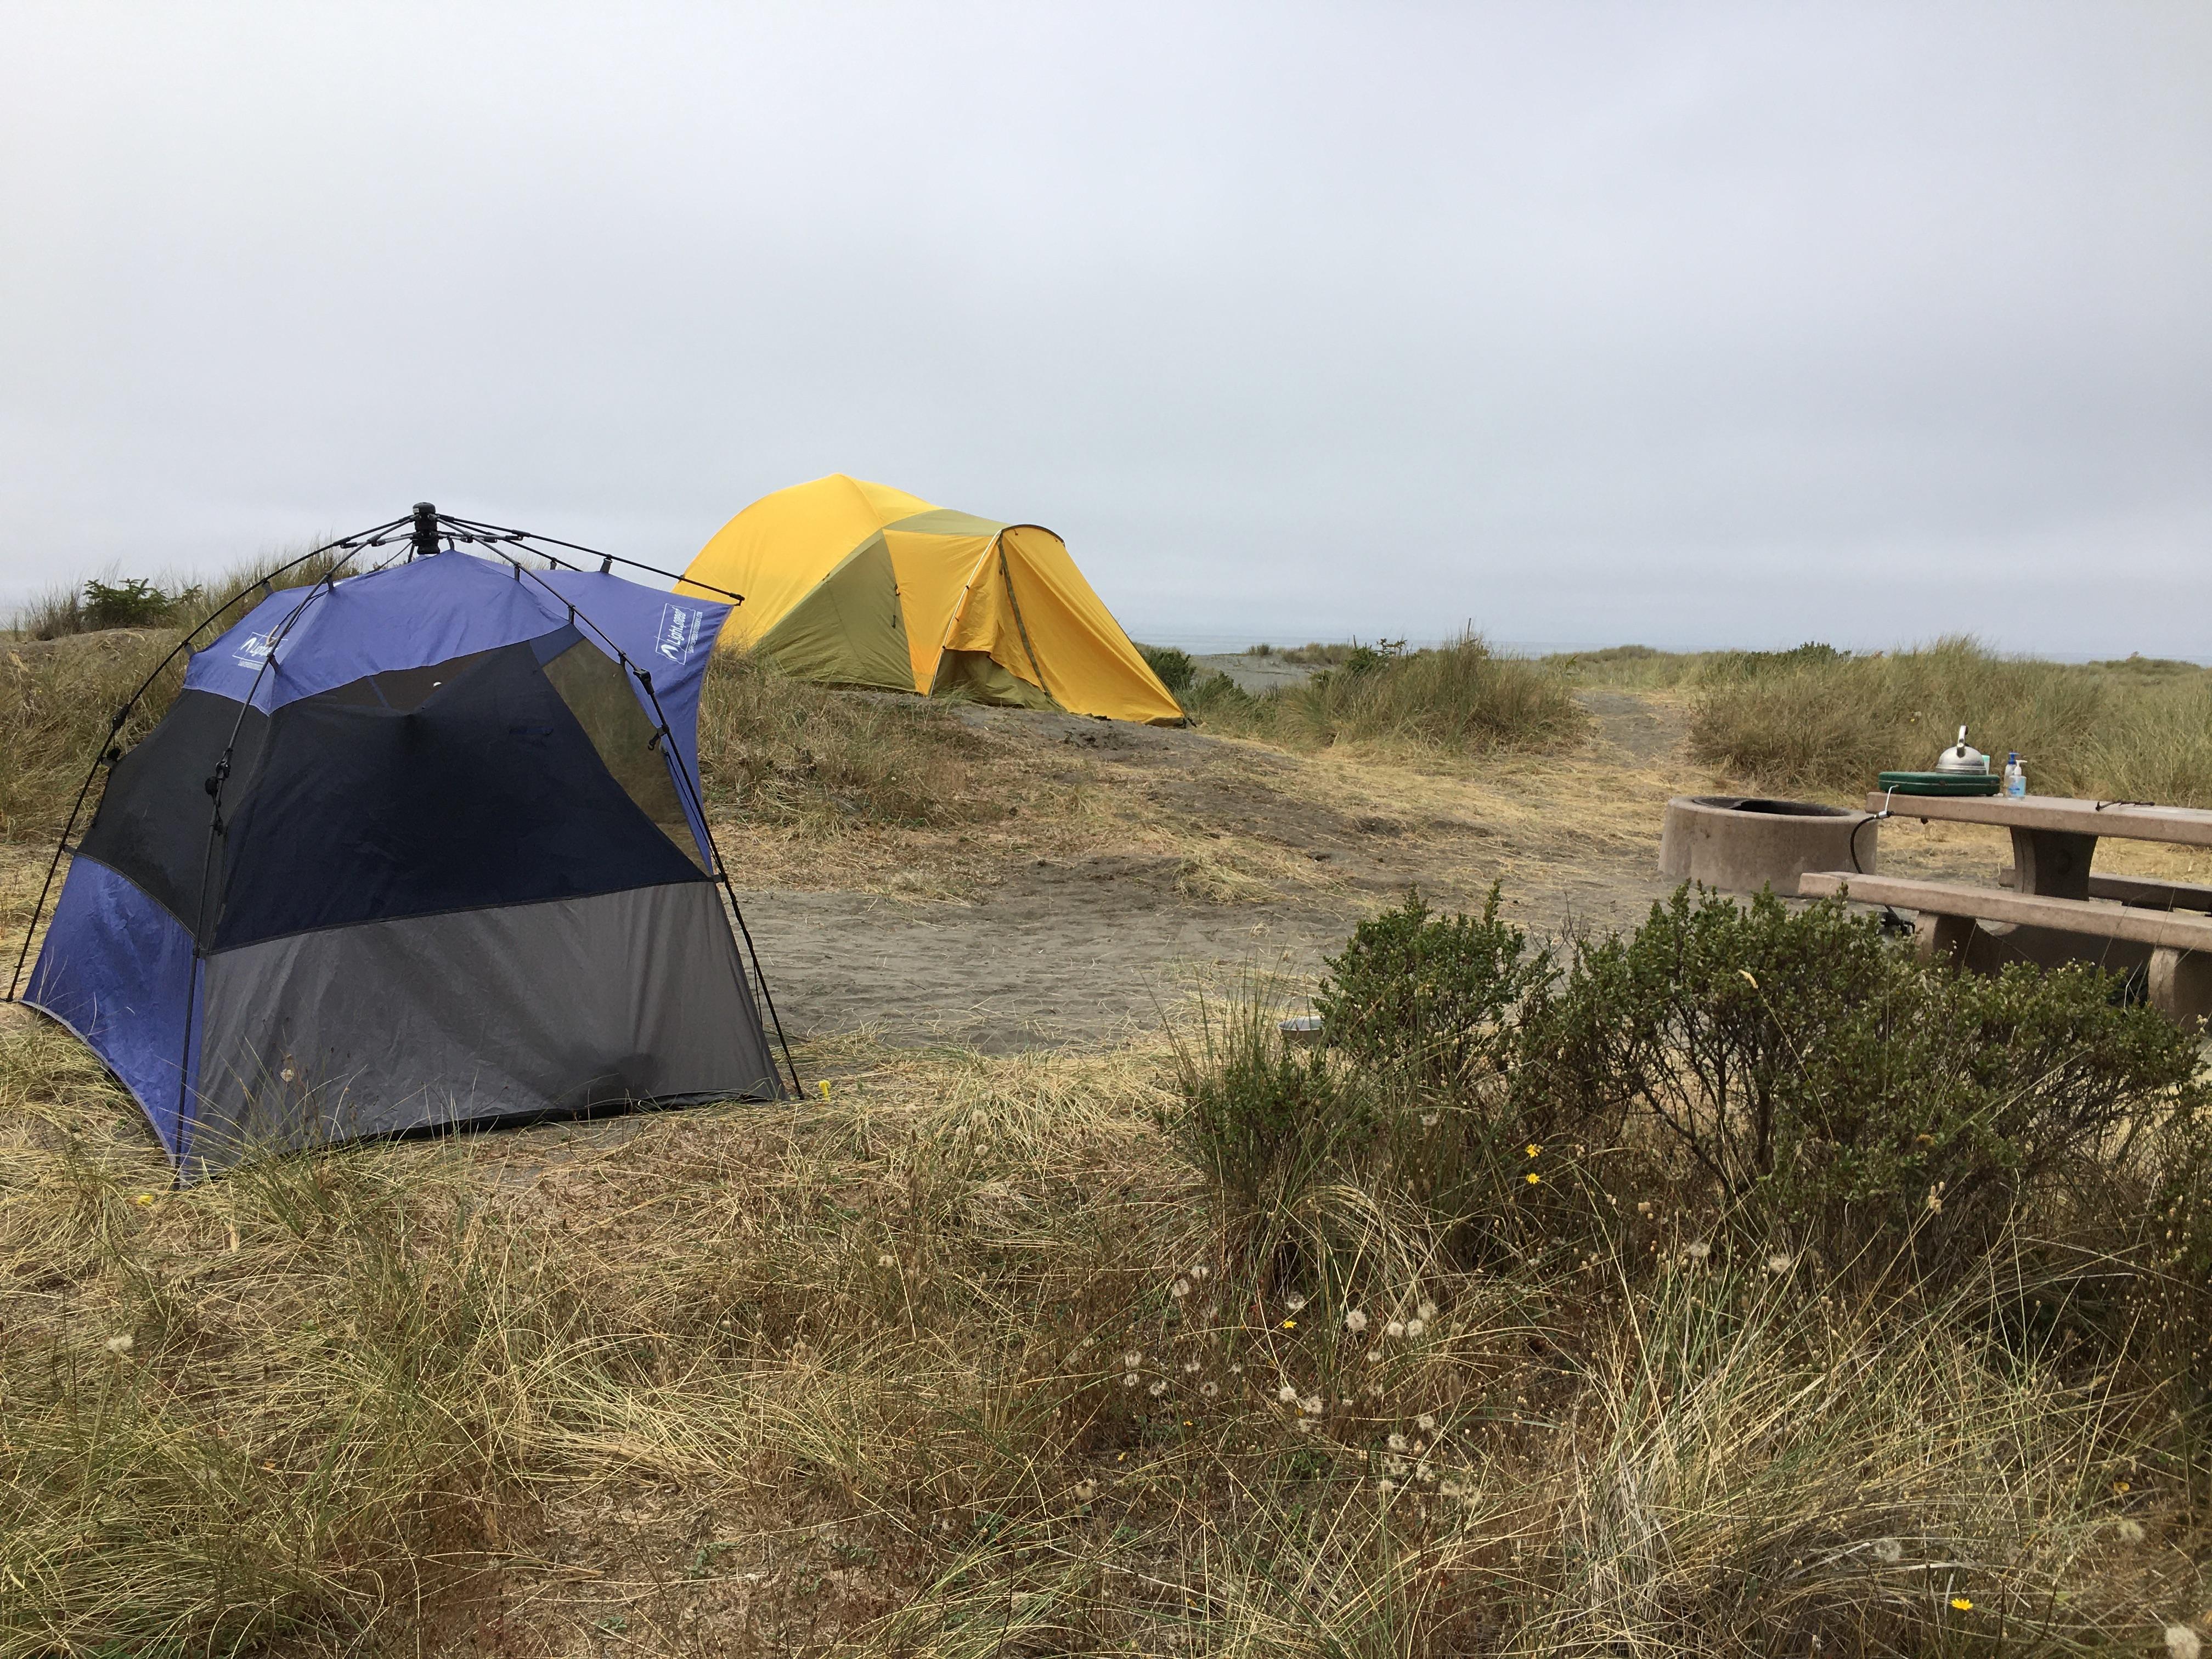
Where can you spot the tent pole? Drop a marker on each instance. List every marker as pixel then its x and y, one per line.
pixel 61 845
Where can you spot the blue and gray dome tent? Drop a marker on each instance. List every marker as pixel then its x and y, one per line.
pixel 421 844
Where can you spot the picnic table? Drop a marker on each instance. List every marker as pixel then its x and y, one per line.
pixel 2059 909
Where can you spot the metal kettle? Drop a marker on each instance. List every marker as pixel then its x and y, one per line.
pixel 1963 758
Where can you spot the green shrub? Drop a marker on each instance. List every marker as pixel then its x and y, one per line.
pixel 1367 659
pixel 1430 998
pixel 1832 1088
pixel 134 602
pixel 1273 1127
pixel 1217 700
pixel 1175 668
pixel 1256 1106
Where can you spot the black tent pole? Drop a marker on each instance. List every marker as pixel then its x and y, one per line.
pixel 61 845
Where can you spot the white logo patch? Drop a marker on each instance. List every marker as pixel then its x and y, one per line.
pixel 679 632
pixel 254 652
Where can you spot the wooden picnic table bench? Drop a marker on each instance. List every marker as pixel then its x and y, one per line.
pixel 2058 910
pixel 2180 944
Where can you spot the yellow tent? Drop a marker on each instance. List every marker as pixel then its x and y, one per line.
pixel 862 585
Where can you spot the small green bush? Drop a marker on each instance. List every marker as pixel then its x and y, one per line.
pixel 1256 1110
pixel 133 602
pixel 1832 1087
pixel 1175 668
pixel 1430 999
pixel 1273 1127
pixel 1367 659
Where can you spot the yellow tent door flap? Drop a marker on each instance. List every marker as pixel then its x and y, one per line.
pixel 857 584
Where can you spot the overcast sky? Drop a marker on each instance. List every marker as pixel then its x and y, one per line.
pixel 1687 324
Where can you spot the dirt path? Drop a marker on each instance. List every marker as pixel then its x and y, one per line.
pixel 1058 947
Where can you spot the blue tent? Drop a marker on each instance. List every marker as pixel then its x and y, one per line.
pixel 414 847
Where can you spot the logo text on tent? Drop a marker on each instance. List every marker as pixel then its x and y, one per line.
pixel 679 632
pixel 254 651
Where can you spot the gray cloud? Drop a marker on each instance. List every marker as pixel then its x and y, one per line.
pixel 1686 324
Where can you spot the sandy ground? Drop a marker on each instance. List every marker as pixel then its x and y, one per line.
pixel 1254 674
pixel 1076 945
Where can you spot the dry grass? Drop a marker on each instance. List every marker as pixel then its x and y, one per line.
pixel 853 1374
pixel 1460 699
pixel 1830 724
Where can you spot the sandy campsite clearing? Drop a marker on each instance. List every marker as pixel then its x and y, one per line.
pixel 1188 856
pixel 1178 857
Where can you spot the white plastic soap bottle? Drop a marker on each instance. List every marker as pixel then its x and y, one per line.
pixel 2015 777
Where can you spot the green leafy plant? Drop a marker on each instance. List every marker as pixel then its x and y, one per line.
pixel 1175 668
pixel 1430 997
pixel 133 602
pixel 1829 1085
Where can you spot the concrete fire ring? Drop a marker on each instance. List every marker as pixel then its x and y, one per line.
pixel 1741 843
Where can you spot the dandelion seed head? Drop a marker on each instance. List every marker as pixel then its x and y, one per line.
pixel 1189 1367
pixel 1374 1353
pixel 1697 1249
pixel 1388 1485
pixel 2130 1532
pixel 1778 1264
pixel 1422 1472
pixel 1294 1302
pixel 1397 1442
pixel 1451 1489
pixel 1237 1368
pixel 1429 1120
pixel 1644 1206
pixel 1427 1309
pixel 1415 1326
pixel 1180 1289
pixel 1394 1466
pixel 1888 1550
pixel 887 1260
pixel 1157 1389
pixel 1286 1394
pixel 2181 1641
pixel 1310 1405
pixel 1128 1379
pixel 120 1343
pixel 286 1074
pixel 1210 1390
pixel 1303 1425
pixel 1201 1273
pixel 1134 1358
pixel 1395 1328
pixel 1085 1490
pixel 1355 1321
pixel 1426 1422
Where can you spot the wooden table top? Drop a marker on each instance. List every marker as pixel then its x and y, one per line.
pixel 2190 826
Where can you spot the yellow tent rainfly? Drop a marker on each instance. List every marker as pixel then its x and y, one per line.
pixel 858 584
